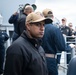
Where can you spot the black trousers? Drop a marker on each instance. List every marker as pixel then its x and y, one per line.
pixel 2 56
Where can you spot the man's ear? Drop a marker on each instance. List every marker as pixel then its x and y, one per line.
pixel 28 26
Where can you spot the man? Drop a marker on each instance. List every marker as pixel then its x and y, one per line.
pixel 52 41
pixel 3 38
pixel 70 25
pixel 56 24
pixel 75 31
pixel 21 21
pixel 15 18
pixel 66 31
pixel 25 56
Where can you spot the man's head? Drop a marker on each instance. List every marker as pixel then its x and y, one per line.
pixel 64 20
pixel 28 9
pixel 35 22
pixel 48 13
pixel 33 5
pixel 70 25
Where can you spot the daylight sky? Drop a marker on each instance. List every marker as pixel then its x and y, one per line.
pixel 60 8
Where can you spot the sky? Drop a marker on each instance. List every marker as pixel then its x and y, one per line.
pixel 8 7
pixel 60 8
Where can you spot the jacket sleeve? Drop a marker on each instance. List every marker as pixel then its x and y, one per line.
pixel 70 32
pixel 13 19
pixel 14 61
pixel 59 40
pixel 6 37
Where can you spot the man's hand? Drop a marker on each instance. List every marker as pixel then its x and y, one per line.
pixel 72 45
pixel 15 13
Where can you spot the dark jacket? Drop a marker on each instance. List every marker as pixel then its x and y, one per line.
pixel 66 30
pixel 75 33
pixel 3 38
pixel 53 39
pixel 21 23
pixel 14 20
pixel 25 57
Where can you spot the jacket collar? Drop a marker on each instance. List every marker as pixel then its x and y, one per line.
pixel 35 42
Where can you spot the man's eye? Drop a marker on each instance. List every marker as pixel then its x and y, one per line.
pixel 43 24
pixel 38 24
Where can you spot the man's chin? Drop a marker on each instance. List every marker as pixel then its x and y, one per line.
pixel 40 36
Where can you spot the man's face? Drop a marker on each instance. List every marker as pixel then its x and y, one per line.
pixel 36 30
pixel 63 22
